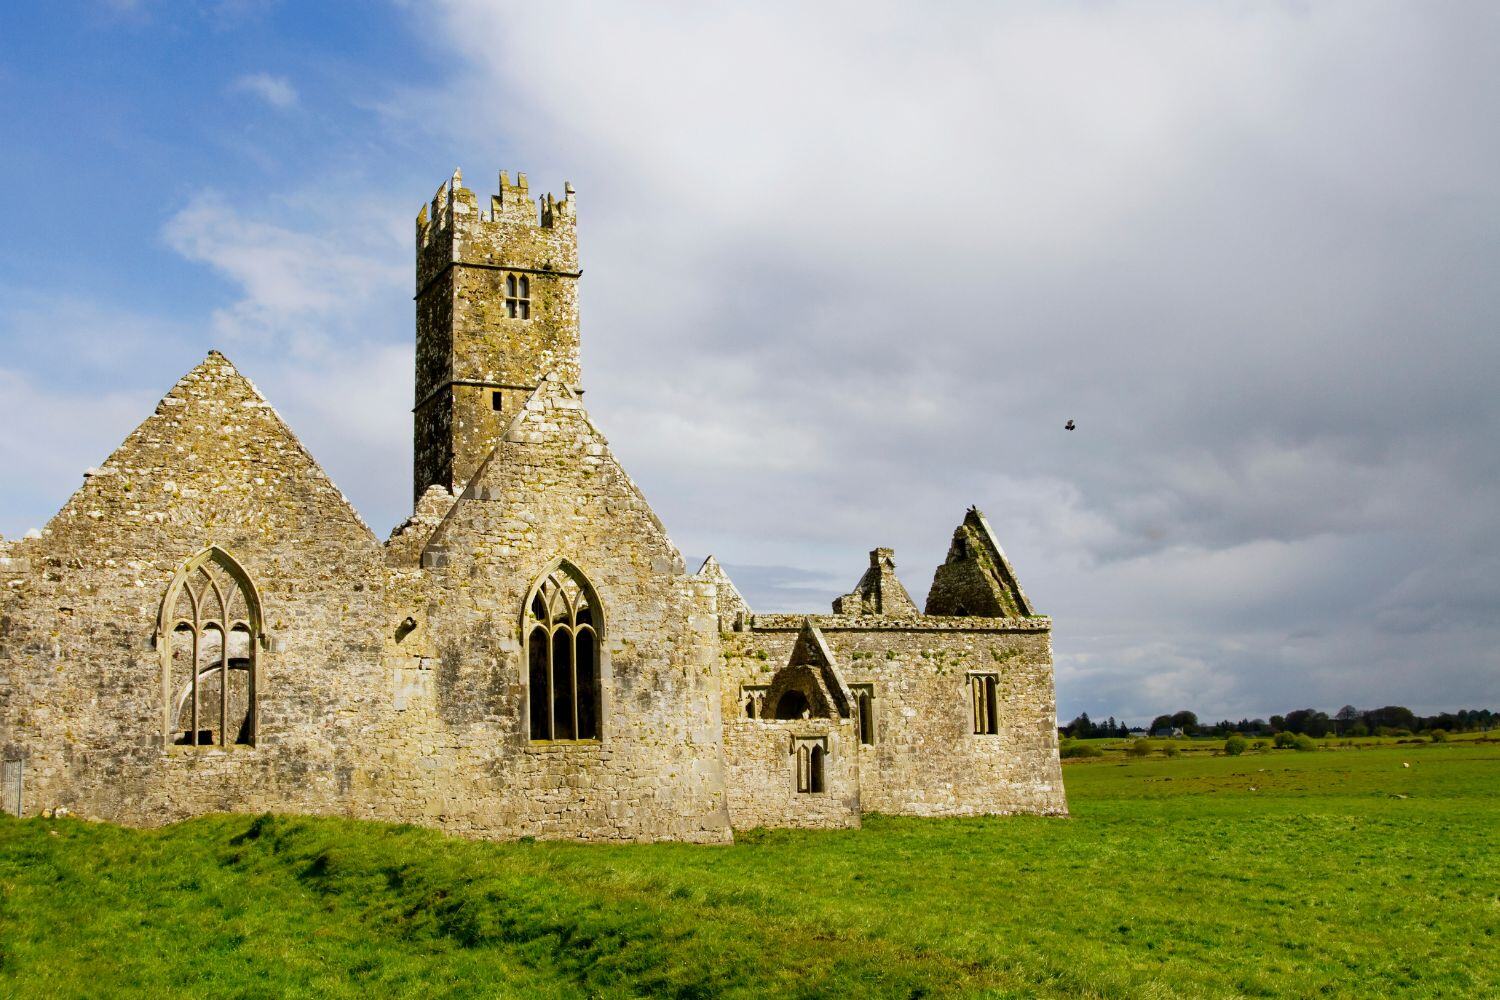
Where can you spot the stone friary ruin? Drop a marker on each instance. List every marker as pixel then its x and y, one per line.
pixel 208 625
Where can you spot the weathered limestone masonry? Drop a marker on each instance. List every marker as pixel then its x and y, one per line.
pixel 551 494
pixel 208 625
pixel 82 642
pixel 497 310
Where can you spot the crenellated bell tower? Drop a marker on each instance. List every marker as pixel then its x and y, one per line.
pixel 497 311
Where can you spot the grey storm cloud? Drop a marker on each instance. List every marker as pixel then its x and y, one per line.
pixel 850 268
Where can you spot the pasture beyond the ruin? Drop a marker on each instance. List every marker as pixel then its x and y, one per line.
pixel 1332 873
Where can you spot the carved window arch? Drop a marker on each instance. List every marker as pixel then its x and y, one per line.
pixel 810 759
pixel 210 633
pixel 563 623
pixel 753 700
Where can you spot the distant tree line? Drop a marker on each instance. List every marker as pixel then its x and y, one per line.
pixel 1084 728
pixel 1347 721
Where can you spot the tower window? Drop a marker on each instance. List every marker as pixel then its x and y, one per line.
pixel 517 297
pixel 497 401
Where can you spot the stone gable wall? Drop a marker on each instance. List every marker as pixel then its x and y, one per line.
pixel 552 491
pixel 80 671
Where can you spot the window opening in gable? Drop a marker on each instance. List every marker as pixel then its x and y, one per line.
pixel 210 661
pixel 792 704
pixel 562 656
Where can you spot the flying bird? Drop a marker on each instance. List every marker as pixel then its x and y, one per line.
pixel 1069 426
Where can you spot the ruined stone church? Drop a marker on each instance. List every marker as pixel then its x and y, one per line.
pixel 208 625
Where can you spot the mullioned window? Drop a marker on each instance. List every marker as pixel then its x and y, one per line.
pixel 211 624
pixel 562 654
pixel 517 296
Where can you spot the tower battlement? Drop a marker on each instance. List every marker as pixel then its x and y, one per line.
pixel 455 206
pixel 497 312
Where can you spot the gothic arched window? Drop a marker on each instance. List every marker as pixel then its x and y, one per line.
pixel 209 633
pixel 562 626
pixel 810 759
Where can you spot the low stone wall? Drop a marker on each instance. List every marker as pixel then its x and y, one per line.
pixel 761 774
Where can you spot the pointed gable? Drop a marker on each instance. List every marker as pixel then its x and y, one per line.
pixel 558 487
pixel 878 592
pixel 734 610
pixel 213 460
pixel 976 579
pixel 810 670
pixel 812 659
pixel 404 547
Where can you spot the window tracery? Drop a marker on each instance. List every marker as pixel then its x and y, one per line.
pixel 211 624
pixel 562 653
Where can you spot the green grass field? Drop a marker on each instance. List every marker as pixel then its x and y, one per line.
pixel 1327 874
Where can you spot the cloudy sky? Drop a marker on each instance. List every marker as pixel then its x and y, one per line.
pixel 848 269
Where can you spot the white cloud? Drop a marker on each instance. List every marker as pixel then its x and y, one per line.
pixel 321 318
pixel 277 91
pixel 300 287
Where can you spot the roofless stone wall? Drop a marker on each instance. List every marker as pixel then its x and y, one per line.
pixel 923 756
pixel 82 701
pixel 207 624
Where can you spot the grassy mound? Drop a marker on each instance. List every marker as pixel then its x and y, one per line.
pixel 1328 874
